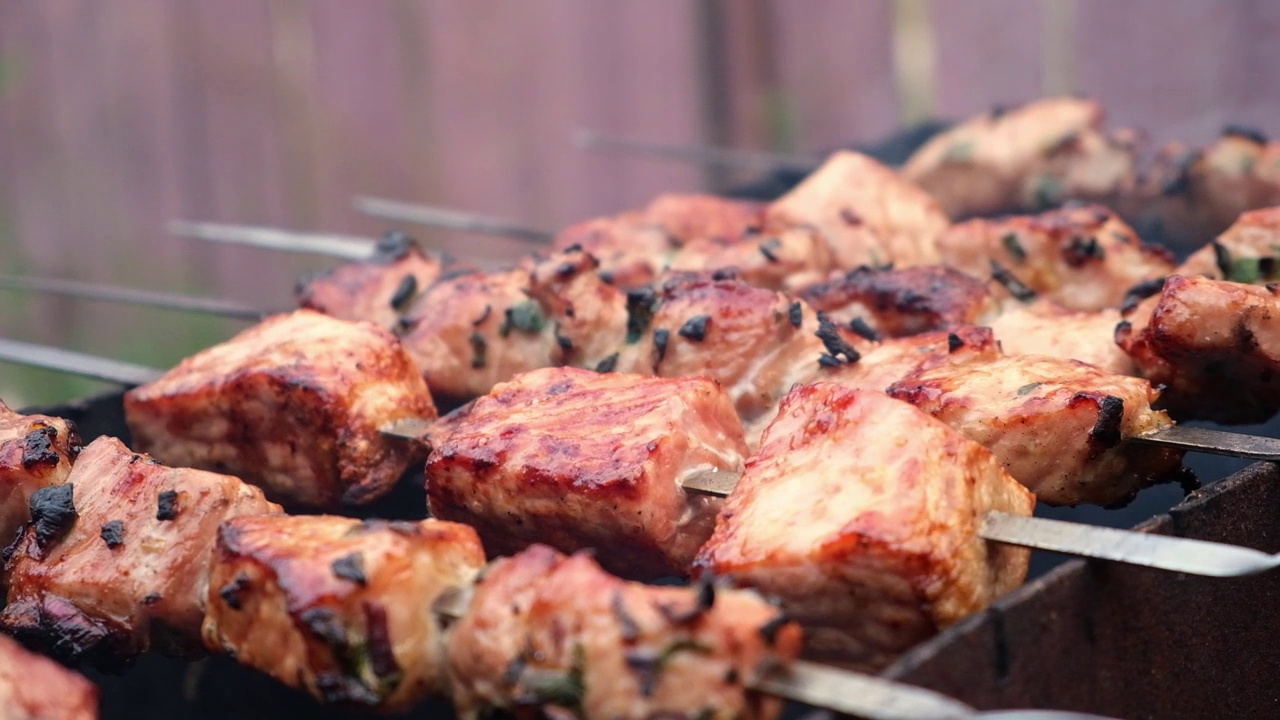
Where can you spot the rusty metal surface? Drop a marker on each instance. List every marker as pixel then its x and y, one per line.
pixel 1129 642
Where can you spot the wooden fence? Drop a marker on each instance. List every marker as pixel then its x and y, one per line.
pixel 118 116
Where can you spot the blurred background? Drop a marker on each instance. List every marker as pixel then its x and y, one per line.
pixel 118 117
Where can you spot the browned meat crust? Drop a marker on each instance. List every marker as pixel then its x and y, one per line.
pixel 36 451
pixel 1214 345
pixel 868 213
pixel 1082 257
pixel 1057 426
pixel 1248 252
pixel 559 634
pixel 578 459
pixel 294 405
pixel 378 290
pixel 36 688
pixel 338 607
pixel 861 514
pixel 470 332
pixel 910 301
pixel 1191 195
pixel 1025 159
pixel 117 559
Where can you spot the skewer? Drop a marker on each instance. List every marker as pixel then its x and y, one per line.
pixel 132 296
pixel 346 247
pixel 1181 437
pixel 1195 557
pixel 443 217
pixel 696 154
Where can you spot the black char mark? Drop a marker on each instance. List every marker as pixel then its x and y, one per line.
pixel 38 449
pixel 831 339
pixel 167 505
pixel 350 567
pixel 696 328
pixel 54 512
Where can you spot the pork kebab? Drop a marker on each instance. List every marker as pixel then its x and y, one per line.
pixel 756 343
pixel 344 601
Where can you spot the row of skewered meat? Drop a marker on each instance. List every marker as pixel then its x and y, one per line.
pixel 122 554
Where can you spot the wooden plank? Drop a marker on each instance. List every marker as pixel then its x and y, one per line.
pixel 836 70
pixel 1184 67
pixel 986 52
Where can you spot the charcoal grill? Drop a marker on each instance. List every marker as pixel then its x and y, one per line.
pixel 1097 637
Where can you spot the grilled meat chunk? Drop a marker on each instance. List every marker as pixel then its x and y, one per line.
pixel 36 688
pixel 1082 257
pixel 546 631
pixel 869 214
pixel 861 514
pixel 293 405
pixel 117 559
pixel 339 607
pixel 36 451
pixel 590 318
pixel 786 259
pixel 1046 328
pixel 529 463
pixel 1214 345
pixel 885 363
pixel 1025 159
pixel 896 303
pixel 1191 195
pixel 379 289
pixel 635 247
pixel 471 332
pixel 1058 426
pixel 1248 252
pixel 756 343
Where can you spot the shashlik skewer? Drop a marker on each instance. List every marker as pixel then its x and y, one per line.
pixel 1140 552
pixel 1047 151
pixel 335 584
pixel 746 317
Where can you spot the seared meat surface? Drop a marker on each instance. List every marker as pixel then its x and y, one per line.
pixel 36 451
pixel 1083 258
pixel 783 258
pixel 861 514
pixel 635 247
pixel 910 301
pixel 1191 195
pixel 756 343
pixel 1025 159
pixel 337 607
pixel 1058 426
pixel 1214 345
pixel 379 289
pixel 884 363
pixel 589 318
pixel 868 213
pixel 1248 252
pixel 470 332
pixel 36 688
pixel 116 561
pixel 577 459
pixel 546 631
pixel 1046 328
pixel 294 405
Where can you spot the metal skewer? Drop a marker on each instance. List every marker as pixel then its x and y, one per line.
pixel 443 217
pixel 696 154
pixel 1180 437
pixel 1195 557
pixel 132 296
pixel 346 247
